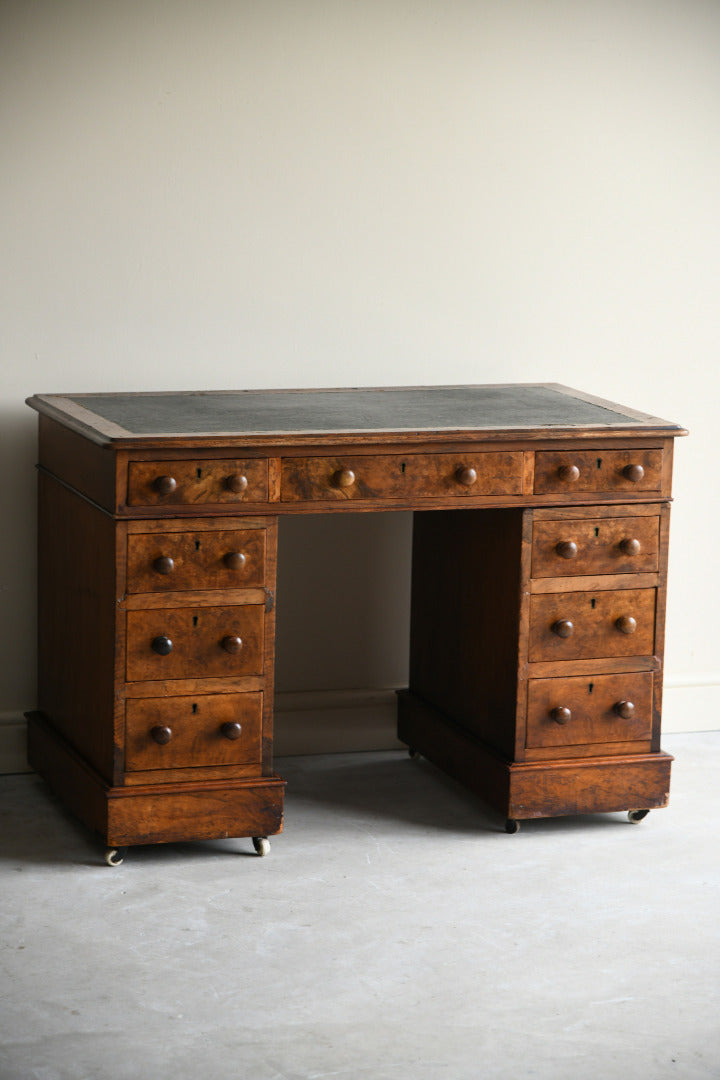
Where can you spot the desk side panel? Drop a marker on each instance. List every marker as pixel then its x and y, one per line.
pixel 465 619
pixel 76 621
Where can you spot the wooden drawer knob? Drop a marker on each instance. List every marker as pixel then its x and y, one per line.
pixel 165 485
pixel 231 730
pixel 626 709
pixel 237 483
pixel 563 628
pixel 633 473
pixel 567 549
pixel 466 475
pixel 630 546
pixel 161 735
pixel 162 645
pixel 570 473
pixel 561 714
pixel 626 624
pixel 164 564
pixel 232 644
pixel 235 560
pixel 343 478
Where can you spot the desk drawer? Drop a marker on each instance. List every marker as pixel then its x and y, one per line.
pixel 601 709
pixel 195 642
pixel 180 732
pixel 603 545
pixel 584 625
pixel 170 483
pixel 396 476
pixel 222 559
pixel 566 471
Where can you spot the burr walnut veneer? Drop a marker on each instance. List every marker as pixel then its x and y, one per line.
pixel 538 594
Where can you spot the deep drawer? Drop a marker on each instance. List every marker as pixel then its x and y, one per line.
pixel 183 643
pixel 601 709
pixel 170 483
pixel 575 626
pixel 600 545
pixel 396 476
pixel 629 471
pixel 181 732
pixel 164 562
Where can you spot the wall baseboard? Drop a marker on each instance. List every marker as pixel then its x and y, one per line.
pixel 341 721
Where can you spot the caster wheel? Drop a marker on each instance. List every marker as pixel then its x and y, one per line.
pixel 114 856
pixel 512 826
pixel 261 845
pixel 637 815
pixel 413 754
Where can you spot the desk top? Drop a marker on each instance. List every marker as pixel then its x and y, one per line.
pixel 393 414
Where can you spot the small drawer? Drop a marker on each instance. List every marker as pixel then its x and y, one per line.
pixel 184 732
pixel 198 642
pixel 395 476
pixel 566 471
pixel 602 545
pixel 584 625
pixel 601 709
pixel 165 562
pixel 170 483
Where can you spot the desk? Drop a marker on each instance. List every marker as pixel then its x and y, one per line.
pixel 539 566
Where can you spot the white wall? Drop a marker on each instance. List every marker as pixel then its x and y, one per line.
pixel 303 193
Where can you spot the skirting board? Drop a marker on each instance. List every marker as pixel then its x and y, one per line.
pixel 340 721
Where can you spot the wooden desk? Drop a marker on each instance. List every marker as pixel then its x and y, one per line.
pixel 538 598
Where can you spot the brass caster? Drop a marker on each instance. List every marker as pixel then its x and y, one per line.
pixel 414 754
pixel 637 815
pixel 512 826
pixel 115 855
pixel 261 845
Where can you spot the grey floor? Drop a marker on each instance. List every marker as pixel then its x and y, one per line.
pixel 395 931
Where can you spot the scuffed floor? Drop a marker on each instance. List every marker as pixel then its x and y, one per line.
pixel 395 932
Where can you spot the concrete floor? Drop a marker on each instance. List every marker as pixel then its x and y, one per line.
pixel 395 932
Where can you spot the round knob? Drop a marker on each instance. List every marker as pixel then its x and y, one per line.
pixel 563 628
pixel 234 560
pixel 161 735
pixel 626 624
pixel 633 473
pixel 231 730
pixel 162 645
pixel 561 714
pixel 165 485
pixel 630 546
pixel 567 549
pixel 466 475
pixel 164 564
pixel 237 483
pixel 232 644
pixel 344 478
pixel 569 473
pixel 626 709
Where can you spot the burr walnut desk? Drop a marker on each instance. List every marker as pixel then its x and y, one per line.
pixel 538 594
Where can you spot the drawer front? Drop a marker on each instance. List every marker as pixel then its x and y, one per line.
pixel 395 476
pixel 566 471
pixel 164 562
pixel 169 483
pixel 181 732
pixel 186 643
pixel 584 625
pixel 601 709
pixel 595 546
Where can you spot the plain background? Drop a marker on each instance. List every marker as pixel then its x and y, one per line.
pixel 297 193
